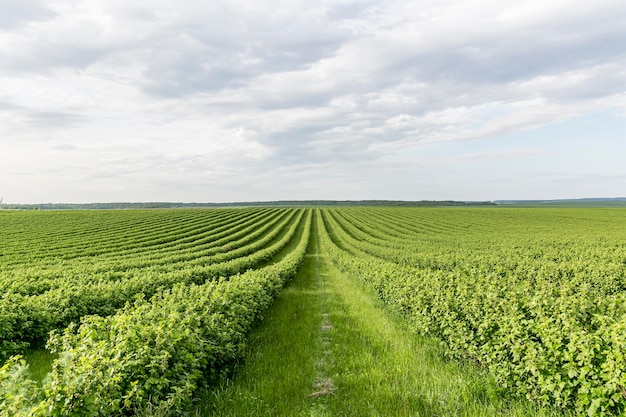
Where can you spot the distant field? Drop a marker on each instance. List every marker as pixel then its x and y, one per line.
pixel 148 305
pixel 581 202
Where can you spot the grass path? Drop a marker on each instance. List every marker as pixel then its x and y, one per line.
pixel 327 347
pixel 283 357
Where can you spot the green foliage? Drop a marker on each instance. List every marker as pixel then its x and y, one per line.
pixel 101 279
pixel 17 391
pixel 162 300
pixel 541 304
pixel 327 347
pixel 151 352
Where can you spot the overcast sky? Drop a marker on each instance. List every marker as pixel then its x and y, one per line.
pixel 239 100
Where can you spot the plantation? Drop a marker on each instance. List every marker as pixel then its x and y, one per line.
pixel 142 309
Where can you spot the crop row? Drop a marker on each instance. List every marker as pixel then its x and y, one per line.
pixel 536 296
pixel 547 327
pixel 26 319
pixel 154 352
pixel 46 247
pixel 549 258
pixel 218 248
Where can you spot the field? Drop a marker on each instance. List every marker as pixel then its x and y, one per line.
pixel 313 311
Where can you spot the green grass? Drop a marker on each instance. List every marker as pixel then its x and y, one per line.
pixel 280 366
pixel 328 347
pixel 39 363
pixel 382 369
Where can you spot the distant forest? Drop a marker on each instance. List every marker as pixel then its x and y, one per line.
pixel 285 203
pixel 581 202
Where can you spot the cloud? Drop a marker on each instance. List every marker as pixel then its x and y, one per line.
pixel 64 147
pixel 17 13
pixel 237 92
pixel 7 104
pixel 518 153
pixel 52 119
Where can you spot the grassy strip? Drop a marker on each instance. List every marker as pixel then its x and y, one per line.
pixel 279 369
pixel 328 348
pixel 382 369
pixel 40 363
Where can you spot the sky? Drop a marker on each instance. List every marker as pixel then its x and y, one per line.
pixel 257 100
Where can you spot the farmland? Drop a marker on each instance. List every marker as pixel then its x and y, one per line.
pixel 146 307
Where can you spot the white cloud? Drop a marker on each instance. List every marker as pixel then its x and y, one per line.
pixel 217 92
